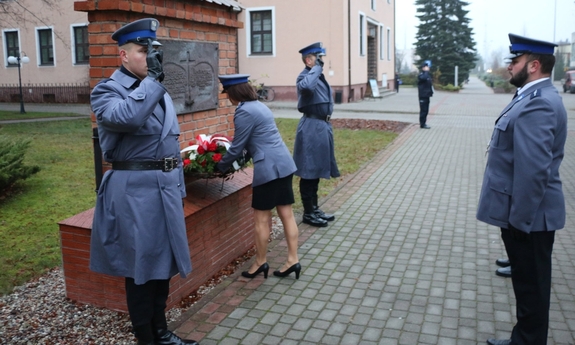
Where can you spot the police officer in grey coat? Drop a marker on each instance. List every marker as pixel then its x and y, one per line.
pixel 256 133
pixel 314 147
pixel 522 192
pixel 138 230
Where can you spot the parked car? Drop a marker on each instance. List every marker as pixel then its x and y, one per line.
pixel 569 82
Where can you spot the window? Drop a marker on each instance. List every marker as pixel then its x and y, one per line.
pixel 361 35
pixel 45 47
pixel 388 44
pixel 81 49
pixel 261 32
pixel 381 44
pixel 373 2
pixel 12 46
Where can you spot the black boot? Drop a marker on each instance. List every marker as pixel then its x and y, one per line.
pixel 319 213
pixel 162 336
pixel 309 216
pixel 144 334
pixel 325 216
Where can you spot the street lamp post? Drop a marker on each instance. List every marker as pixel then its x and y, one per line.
pixel 19 60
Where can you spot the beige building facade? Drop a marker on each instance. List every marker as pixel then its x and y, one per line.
pixel 358 36
pixel 54 39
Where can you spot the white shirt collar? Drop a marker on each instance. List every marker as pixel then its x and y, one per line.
pixel 528 85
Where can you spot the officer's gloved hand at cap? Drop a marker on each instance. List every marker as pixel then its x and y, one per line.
pixel 154 61
pixel 319 61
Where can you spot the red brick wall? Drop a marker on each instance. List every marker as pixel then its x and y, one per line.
pixel 219 226
pixel 192 20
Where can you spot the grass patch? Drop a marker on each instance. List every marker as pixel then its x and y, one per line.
pixel 15 115
pixel 349 155
pixel 29 238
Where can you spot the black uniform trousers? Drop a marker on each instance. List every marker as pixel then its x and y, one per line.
pixel 531 278
pixel 147 301
pixel 308 190
pixel 423 110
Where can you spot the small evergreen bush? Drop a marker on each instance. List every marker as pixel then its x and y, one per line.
pixel 12 166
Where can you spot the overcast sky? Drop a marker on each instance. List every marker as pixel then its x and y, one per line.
pixel 492 20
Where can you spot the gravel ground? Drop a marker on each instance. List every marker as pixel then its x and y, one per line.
pixel 38 313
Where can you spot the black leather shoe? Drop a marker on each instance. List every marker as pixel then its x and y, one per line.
pixel 170 338
pixel 499 342
pixel 425 127
pixel 325 216
pixel 294 268
pixel 313 220
pixel 263 268
pixel 502 262
pixel 504 272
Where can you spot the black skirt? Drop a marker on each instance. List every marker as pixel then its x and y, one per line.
pixel 271 194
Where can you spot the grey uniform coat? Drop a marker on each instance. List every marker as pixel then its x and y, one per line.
pixel 257 133
pixel 521 185
pixel 314 147
pixel 138 229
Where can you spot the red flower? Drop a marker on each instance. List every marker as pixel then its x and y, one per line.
pixel 217 157
pixel 212 147
pixel 201 150
pixel 203 163
pixel 187 162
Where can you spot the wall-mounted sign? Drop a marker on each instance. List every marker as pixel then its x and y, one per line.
pixel 191 74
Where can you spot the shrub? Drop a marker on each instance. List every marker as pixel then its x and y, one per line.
pixel 12 166
pixel 408 79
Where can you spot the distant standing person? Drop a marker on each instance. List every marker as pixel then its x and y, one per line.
pixel 425 91
pixel 314 147
pixel 522 192
pixel 397 82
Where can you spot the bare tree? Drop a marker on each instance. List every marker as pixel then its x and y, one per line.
pixel 16 13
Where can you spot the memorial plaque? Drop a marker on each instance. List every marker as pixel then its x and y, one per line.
pixel 191 76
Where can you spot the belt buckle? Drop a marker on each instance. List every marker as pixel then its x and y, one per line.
pixel 169 164
pixel 327 118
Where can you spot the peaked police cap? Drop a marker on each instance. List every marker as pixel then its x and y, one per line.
pixel 137 32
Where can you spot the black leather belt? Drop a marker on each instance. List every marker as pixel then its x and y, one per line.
pixel 166 165
pixel 325 118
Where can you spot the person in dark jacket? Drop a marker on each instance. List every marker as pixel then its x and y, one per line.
pixel 139 231
pixel 397 82
pixel 256 133
pixel 314 153
pixel 425 91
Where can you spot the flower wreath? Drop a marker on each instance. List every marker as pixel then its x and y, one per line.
pixel 200 158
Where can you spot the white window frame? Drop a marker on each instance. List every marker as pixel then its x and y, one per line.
pixel 362 31
pixel 249 33
pixel 381 42
pixel 5 47
pixel 38 57
pixel 73 42
pixel 388 46
pixel 374 4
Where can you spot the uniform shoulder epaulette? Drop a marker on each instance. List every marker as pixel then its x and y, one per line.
pixel 536 93
pixel 103 81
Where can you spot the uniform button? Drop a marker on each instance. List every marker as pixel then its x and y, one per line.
pixel 179 184
pixel 140 95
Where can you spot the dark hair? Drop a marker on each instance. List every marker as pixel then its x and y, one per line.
pixel 547 61
pixel 242 92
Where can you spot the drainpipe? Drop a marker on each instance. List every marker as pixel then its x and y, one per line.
pixel 349 51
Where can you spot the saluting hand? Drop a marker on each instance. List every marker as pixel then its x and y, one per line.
pixel 154 61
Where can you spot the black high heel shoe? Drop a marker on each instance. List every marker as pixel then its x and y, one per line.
pixel 263 268
pixel 294 268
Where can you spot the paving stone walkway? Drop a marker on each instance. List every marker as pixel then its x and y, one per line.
pixel 405 261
